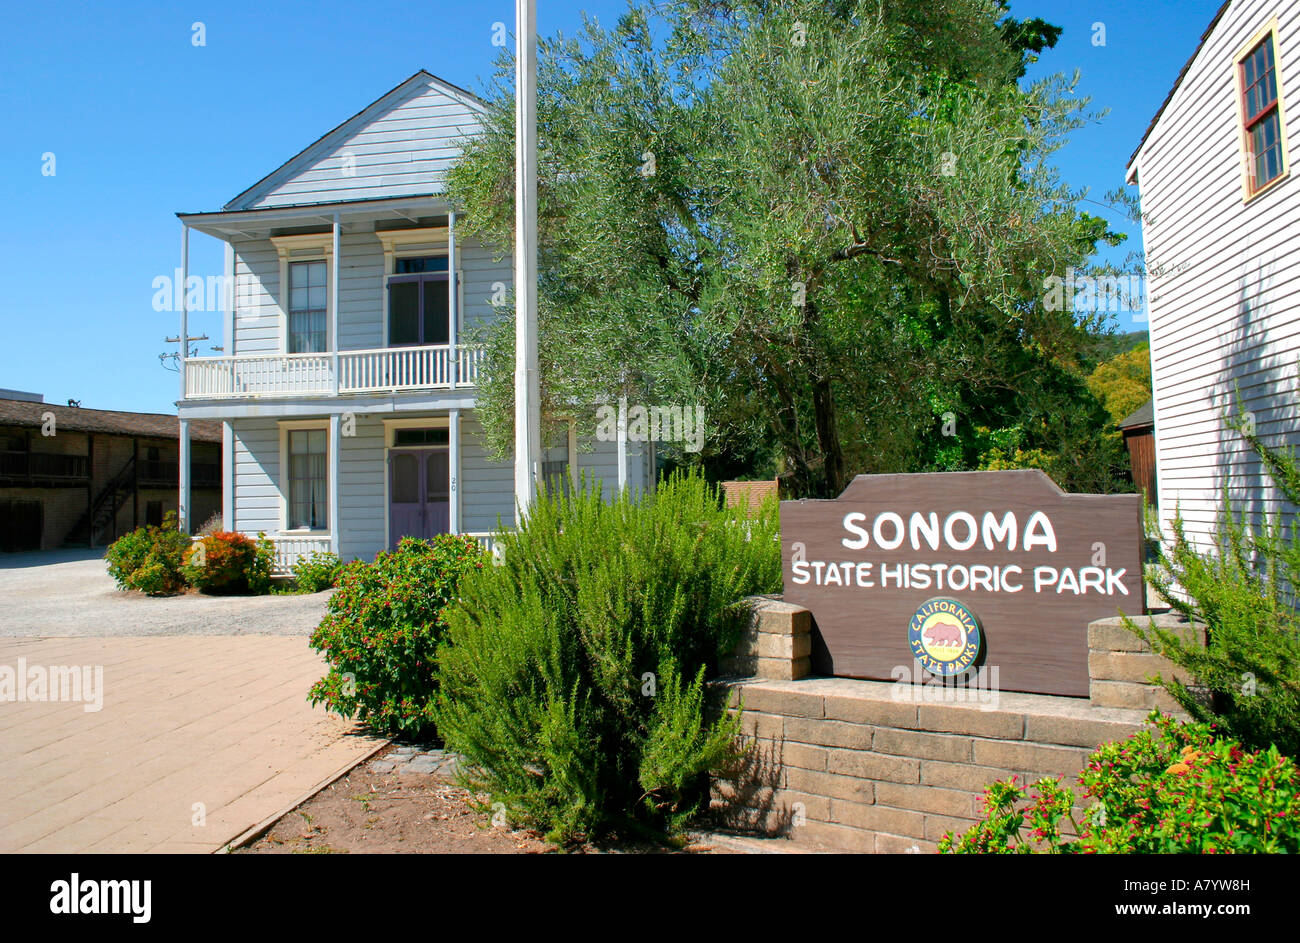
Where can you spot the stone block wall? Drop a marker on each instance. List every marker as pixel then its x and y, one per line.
pixel 875 766
pixel 777 643
pixel 1120 663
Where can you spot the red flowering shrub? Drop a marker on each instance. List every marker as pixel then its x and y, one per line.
pixel 1174 789
pixel 381 633
pixel 226 562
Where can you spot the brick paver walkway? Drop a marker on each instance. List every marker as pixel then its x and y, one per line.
pixel 220 721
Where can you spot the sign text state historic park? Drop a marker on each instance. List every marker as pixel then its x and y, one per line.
pixel 1033 564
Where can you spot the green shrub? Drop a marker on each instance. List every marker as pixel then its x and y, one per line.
pixel 573 674
pixel 381 633
pixel 317 571
pixel 149 559
pixel 1177 789
pixel 226 562
pixel 1246 677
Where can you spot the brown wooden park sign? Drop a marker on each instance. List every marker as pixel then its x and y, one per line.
pixel 895 568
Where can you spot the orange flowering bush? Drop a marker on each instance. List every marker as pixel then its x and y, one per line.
pixel 1171 789
pixel 226 562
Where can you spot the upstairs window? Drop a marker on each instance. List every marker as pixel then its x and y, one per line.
pixel 1261 115
pixel 307 307
pixel 418 308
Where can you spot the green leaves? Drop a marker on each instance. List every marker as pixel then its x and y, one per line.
pixel 573 675
pixel 1170 789
pixel 758 205
pixel 381 633
pixel 150 559
pixel 1246 676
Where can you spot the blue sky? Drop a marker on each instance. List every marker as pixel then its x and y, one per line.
pixel 142 123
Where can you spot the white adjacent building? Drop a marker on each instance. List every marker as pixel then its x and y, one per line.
pixel 345 387
pixel 1222 240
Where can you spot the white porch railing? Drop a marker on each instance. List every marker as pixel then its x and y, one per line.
pixel 290 548
pixel 385 369
pixel 488 541
pixel 270 375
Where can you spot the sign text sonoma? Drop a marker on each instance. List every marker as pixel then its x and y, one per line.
pixel 1029 564
pixel 958 532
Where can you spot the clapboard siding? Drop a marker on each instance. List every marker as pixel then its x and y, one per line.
pixel 402 144
pixel 599 462
pixel 257 299
pixel 361 490
pixel 257 476
pixel 487 486
pixel 481 271
pixel 1225 318
pixel 259 321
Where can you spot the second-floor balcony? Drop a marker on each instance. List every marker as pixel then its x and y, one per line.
pixel 26 467
pixel 381 370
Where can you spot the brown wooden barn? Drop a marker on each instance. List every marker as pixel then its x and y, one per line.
pixel 1139 428
pixel 72 476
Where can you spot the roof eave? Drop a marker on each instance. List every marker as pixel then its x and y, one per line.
pixel 224 223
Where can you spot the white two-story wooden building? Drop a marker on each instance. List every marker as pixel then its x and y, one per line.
pixel 345 388
pixel 1221 231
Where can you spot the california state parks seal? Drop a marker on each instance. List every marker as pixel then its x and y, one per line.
pixel 945 637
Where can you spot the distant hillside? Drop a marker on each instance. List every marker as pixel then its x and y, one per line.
pixel 1105 347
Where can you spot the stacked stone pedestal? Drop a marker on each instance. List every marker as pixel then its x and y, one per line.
pixel 875 766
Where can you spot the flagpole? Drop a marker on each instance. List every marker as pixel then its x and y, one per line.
pixel 527 396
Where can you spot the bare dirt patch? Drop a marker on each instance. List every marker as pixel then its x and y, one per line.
pixel 400 812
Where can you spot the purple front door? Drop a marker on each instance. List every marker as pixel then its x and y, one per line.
pixel 418 493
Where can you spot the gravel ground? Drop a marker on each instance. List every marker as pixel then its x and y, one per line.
pixel 69 593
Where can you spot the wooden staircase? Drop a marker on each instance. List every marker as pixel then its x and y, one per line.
pixel 103 510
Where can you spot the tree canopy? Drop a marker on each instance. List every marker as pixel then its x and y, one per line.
pixel 1123 383
pixel 827 223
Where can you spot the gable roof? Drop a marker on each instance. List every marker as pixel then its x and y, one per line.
pixel 1144 415
pixel 1177 84
pixel 14 412
pixel 328 141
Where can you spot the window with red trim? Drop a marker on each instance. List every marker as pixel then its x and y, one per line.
pixel 1261 114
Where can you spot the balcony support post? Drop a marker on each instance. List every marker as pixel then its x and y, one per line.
pixel 183 346
pixel 228 304
pixel 183 474
pixel 334 457
pixel 453 315
pixel 227 475
pixel 453 467
pixel 335 262
pixel 621 453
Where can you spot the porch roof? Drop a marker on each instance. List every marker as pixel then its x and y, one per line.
pixel 223 224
